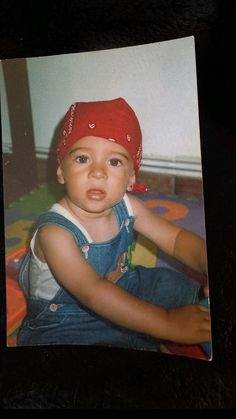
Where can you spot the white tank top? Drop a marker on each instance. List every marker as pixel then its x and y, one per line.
pixel 42 284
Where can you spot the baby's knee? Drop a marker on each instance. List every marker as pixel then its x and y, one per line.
pixel 177 289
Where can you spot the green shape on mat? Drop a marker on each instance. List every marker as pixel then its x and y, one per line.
pixel 37 201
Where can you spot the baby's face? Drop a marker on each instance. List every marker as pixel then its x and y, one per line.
pixel 96 173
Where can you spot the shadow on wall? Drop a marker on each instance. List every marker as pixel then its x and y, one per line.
pixel 19 168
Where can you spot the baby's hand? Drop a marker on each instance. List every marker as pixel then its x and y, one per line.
pixel 189 324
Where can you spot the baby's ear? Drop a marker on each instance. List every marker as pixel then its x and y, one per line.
pixel 60 177
pixel 131 182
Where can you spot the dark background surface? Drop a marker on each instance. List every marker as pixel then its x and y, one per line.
pixel 74 377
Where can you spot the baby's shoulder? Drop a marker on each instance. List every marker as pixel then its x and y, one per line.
pixel 52 232
pixel 138 206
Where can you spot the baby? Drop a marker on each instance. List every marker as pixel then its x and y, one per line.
pixel 78 280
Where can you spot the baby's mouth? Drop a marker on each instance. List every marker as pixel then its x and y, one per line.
pixel 96 194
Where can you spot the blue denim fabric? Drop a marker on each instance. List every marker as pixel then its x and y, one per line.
pixel 63 320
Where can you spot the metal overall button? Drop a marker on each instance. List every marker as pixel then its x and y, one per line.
pixel 53 307
pixel 127 221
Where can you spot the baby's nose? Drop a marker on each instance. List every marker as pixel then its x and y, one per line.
pixel 98 170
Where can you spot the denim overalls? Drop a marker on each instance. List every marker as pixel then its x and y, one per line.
pixel 63 320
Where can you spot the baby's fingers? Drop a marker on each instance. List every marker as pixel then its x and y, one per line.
pixel 205 315
pixel 203 308
pixel 206 325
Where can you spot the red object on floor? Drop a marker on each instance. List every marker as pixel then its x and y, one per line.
pixel 13 262
pixel 192 351
pixel 15 299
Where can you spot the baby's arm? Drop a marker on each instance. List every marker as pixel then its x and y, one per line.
pixel 184 245
pixel 75 274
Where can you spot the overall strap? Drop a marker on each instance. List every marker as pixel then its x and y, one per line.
pixel 58 219
pixel 122 211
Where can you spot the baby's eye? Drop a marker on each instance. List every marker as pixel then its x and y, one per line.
pixel 115 162
pixel 82 159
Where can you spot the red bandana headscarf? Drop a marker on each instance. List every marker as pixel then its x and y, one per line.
pixel 114 120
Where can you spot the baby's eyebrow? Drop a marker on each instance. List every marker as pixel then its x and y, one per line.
pixel 121 154
pixel 78 148
pixel 87 149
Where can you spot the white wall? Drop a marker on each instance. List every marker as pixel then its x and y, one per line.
pixel 158 80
